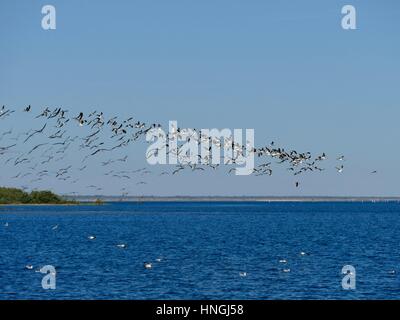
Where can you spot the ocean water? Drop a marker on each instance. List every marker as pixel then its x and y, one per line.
pixel 199 250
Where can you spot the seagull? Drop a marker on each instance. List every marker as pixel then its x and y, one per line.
pixel 341 158
pixel 286 270
pixel 122 246
pixel 283 261
pixel 243 274
pixel 29 267
pixel 392 271
pixel 35 132
pixel 303 253
pixel 321 157
pixel 55 227
pixel 148 265
pixel 339 169
pixel 92 237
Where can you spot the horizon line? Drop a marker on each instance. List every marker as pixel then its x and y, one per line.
pixel 177 198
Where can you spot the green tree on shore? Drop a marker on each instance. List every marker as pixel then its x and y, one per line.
pixel 18 196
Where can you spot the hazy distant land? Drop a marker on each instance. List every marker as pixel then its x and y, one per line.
pixel 104 198
pixel 18 196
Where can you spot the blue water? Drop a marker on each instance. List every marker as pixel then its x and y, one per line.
pixel 203 247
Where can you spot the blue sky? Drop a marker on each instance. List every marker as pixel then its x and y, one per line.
pixel 285 68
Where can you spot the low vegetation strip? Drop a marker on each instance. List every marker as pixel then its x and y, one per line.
pixel 18 196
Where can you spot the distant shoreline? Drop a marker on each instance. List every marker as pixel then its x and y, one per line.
pixel 89 201
pixel 83 199
pixel 38 204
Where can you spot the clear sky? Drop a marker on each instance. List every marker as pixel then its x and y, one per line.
pixel 285 68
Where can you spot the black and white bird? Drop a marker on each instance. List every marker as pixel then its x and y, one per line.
pixel 340 169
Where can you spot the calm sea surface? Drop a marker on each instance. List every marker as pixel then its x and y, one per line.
pixel 201 250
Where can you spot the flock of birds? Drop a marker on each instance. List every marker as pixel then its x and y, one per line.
pixel 40 153
pixel 149 265
pixel 33 151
